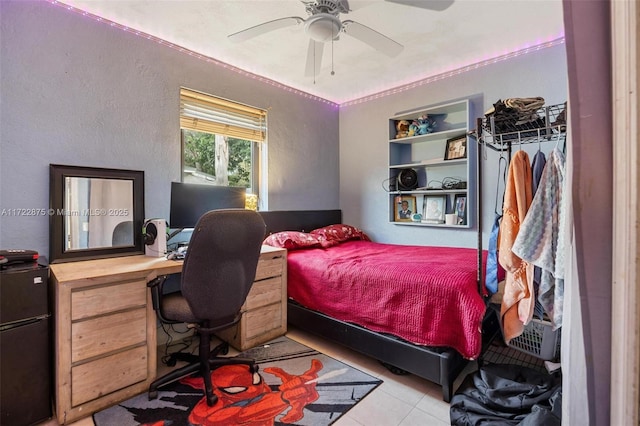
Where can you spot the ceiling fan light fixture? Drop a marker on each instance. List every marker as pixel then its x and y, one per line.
pixel 323 27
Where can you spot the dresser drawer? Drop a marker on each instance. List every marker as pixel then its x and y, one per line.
pixel 107 333
pixel 105 375
pixel 263 320
pixel 269 266
pixel 106 299
pixel 264 293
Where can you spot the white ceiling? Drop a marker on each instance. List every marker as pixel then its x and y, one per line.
pixel 435 42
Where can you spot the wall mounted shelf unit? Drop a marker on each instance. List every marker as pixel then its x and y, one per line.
pixel 440 163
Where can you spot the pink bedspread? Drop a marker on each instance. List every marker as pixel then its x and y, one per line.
pixel 425 295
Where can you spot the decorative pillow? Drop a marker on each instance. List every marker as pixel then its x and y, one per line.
pixel 292 240
pixel 336 234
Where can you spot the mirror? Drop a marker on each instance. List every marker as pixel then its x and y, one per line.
pixel 94 212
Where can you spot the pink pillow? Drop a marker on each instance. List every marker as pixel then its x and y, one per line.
pixel 335 234
pixel 293 240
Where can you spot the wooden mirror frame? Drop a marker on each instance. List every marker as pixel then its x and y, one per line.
pixel 57 175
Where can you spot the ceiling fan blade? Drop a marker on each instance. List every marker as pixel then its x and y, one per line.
pixel 264 28
pixel 314 58
pixel 438 5
pixel 373 38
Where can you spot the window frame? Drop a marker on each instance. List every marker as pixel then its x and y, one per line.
pixel 242 121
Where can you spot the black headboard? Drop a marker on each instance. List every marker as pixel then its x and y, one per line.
pixel 299 220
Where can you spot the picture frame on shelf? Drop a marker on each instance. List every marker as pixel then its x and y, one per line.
pixel 433 208
pixel 405 207
pixel 456 148
pixel 460 205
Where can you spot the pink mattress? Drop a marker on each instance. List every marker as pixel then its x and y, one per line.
pixel 425 295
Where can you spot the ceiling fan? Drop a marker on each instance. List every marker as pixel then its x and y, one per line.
pixel 324 25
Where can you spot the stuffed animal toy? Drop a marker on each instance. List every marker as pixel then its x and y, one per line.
pixel 413 128
pixel 425 125
pixel 402 129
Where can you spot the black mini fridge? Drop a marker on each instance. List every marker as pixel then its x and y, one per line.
pixel 25 345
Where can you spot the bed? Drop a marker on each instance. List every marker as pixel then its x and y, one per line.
pixel 355 292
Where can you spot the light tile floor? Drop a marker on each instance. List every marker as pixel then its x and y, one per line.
pixel 401 400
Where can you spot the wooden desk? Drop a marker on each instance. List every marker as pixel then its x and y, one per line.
pixel 105 329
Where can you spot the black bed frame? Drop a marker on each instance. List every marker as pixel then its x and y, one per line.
pixel 438 365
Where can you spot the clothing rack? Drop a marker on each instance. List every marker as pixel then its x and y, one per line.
pixel 499 135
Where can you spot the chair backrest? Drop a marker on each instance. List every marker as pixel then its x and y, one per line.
pixel 123 234
pixel 220 265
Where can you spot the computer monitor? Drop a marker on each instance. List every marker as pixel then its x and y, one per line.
pixel 189 201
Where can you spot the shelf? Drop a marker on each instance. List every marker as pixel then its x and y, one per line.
pixel 431 163
pixel 435 136
pixel 425 156
pixel 546 124
pixel 430 192
pixel 437 225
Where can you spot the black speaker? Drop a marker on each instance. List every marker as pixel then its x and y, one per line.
pixel 407 179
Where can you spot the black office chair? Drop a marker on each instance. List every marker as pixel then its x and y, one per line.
pixel 217 274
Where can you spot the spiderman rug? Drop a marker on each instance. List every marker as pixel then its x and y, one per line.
pixel 295 385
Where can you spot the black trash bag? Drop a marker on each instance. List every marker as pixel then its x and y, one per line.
pixel 507 394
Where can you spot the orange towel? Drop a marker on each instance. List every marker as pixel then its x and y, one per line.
pixel 518 300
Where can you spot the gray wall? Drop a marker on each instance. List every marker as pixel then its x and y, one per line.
pixel 364 141
pixel 75 91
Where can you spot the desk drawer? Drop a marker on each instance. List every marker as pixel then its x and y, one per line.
pixel 264 293
pixel 103 300
pixel 108 333
pixel 105 375
pixel 263 321
pixel 269 266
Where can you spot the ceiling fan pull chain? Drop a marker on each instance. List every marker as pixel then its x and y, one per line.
pixel 332 71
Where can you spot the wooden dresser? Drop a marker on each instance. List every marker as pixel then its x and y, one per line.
pixel 265 310
pixel 105 326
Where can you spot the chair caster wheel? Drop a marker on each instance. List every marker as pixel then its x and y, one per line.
pixel 225 350
pixel 153 395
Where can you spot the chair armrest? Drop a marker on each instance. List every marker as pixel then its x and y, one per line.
pixel 156 291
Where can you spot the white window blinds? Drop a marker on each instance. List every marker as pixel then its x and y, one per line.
pixel 206 113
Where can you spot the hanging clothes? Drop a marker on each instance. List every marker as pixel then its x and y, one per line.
pixel 541 237
pixel 537 167
pixel 518 299
pixel 491 276
pixel 491 279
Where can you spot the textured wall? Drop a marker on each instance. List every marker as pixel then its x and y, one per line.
pixel 79 92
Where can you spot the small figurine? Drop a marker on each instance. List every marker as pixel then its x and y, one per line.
pixel 413 128
pixel 425 125
pixel 402 129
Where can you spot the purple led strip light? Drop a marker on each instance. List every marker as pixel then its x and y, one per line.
pixel 393 91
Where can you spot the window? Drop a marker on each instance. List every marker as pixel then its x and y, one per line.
pixel 222 141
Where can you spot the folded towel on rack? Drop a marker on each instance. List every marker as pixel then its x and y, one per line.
pixel 526 108
pixel 516 115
